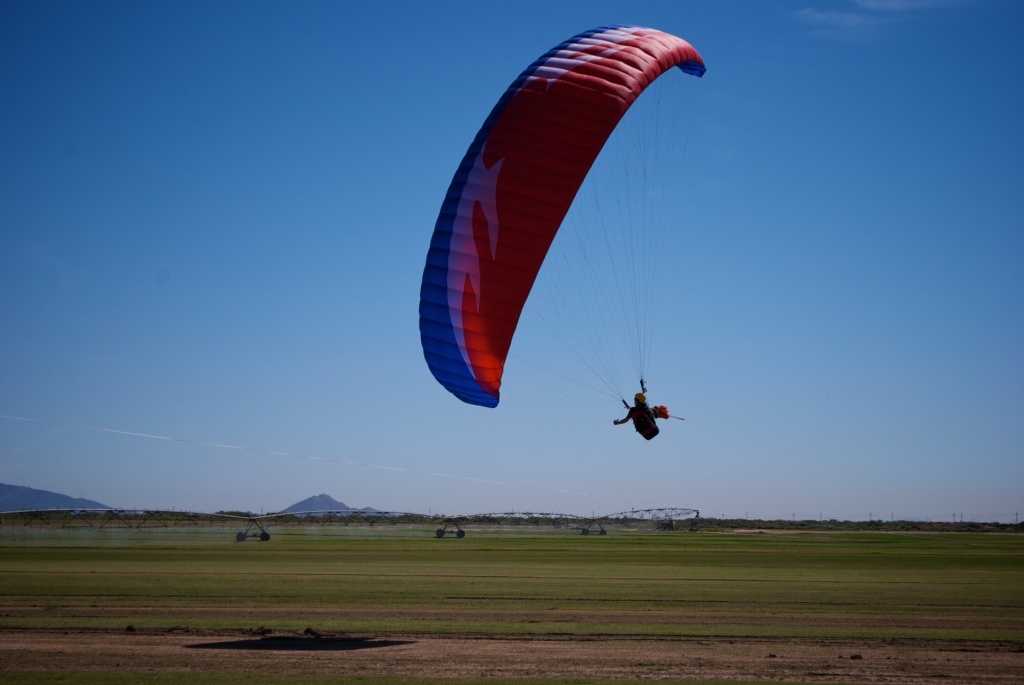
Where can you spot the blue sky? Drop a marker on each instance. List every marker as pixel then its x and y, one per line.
pixel 215 218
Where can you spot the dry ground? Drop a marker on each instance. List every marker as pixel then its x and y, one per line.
pixel 782 660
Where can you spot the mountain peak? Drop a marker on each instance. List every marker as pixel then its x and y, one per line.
pixel 321 502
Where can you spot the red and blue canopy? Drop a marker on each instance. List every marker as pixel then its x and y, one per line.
pixel 514 188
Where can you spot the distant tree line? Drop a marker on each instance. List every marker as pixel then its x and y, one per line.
pixel 879 525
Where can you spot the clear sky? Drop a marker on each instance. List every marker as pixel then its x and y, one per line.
pixel 215 217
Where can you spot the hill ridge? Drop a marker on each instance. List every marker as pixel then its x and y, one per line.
pixel 20 497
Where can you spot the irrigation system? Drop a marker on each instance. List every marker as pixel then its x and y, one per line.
pixel 259 526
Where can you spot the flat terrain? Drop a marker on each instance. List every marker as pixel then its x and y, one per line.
pixel 399 606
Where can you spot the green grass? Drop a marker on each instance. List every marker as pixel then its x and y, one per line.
pixel 527 583
pixel 842 585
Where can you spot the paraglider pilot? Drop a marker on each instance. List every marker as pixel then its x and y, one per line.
pixel 642 416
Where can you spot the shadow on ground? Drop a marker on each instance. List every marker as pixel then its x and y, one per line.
pixel 301 644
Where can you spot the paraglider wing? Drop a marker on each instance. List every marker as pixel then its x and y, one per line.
pixel 513 189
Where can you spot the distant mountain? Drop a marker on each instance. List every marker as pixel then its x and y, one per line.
pixel 320 503
pixel 18 497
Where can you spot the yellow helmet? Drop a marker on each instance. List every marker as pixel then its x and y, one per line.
pixel 640 397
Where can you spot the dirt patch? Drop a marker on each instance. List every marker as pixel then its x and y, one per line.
pixel 782 660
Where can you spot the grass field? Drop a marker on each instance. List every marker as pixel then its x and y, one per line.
pixel 357 604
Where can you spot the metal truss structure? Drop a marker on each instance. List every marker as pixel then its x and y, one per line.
pixel 258 526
